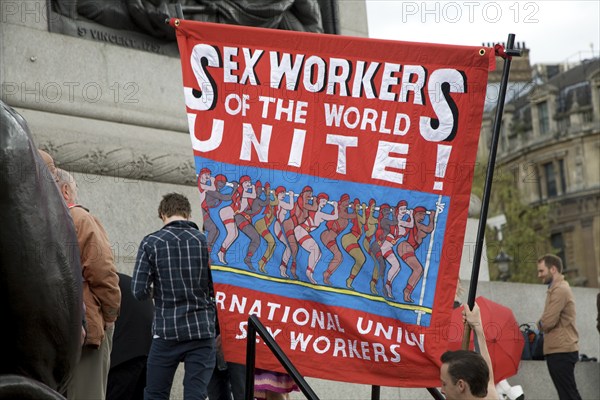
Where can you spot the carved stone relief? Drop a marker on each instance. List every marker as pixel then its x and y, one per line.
pixel 122 163
pixel 140 24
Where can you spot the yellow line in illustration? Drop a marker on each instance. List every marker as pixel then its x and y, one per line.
pixel 288 281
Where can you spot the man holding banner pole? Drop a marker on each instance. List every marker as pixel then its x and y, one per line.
pixel 466 374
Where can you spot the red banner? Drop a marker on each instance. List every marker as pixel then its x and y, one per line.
pixel 334 174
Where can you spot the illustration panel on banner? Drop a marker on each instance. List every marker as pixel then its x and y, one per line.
pixel 367 253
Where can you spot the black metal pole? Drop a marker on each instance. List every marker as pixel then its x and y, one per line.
pixel 375 392
pixel 255 326
pixel 436 394
pixel 178 11
pixel 490 169
pixel 250 358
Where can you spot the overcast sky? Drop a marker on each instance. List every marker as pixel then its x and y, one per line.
pixel 554 31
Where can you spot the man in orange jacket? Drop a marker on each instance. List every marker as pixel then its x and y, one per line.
pixel 561 340
pixel 101 295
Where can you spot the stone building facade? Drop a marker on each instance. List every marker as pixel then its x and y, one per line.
pixel 550 141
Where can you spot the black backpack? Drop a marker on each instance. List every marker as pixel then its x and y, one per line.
pixel 534 342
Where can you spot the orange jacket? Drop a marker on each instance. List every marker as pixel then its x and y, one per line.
pixel 558 319
pixel 101 293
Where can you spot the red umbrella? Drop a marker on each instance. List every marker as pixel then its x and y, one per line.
pixel 503 336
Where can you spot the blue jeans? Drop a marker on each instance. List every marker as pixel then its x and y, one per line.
pixel 163 360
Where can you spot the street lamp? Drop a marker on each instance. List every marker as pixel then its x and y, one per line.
pixel 502 262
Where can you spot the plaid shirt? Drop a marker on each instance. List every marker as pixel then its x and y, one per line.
pixel 175 261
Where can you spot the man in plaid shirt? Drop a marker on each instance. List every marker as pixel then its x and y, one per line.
pixel 172 268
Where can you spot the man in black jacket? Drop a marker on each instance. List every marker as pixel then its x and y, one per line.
pixel 131 344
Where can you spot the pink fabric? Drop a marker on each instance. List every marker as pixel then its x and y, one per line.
pixel 272 381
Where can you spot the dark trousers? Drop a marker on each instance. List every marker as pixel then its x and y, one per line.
pixel 127 380
pixel 228 382
pixel 163 360
pixel 562 371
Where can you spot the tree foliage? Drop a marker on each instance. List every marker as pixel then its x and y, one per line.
pixel 526 232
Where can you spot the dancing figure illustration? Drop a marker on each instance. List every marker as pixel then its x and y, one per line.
pixel 310 223
pixel 263 224
pixel 329 236
pixel 213 199
pixel 281 210
pixel 407 248
pixel 371 246
pixel 239 202
pixel 396 232
pixel 206 183
pixel 297 216
pixel 243 221
pixel 385 222
pixel 350 241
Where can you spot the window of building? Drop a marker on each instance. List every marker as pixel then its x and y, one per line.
pixel 588 116
pixel 554 174
pixel 551 189
pixel 561 170
pixel 544 122
pixel 539 183
pixel 558 244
